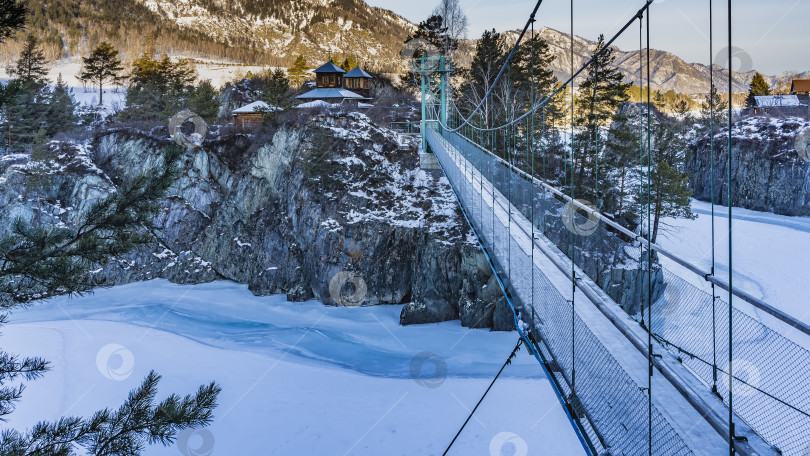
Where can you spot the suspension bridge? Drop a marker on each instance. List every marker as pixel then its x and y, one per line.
pixel 648 353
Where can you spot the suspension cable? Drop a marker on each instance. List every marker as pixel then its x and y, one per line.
pixel 506 363
pixel 649 241
pixel 504 67
pixel 571 237
pixel 574 75
pixel 730 245
pixel 641 155
pixel 711 165
pixel 530 149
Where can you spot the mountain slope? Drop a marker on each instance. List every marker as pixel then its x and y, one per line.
pixel 268 32
pixel 668 71
pixel 273 32
pixel 318 29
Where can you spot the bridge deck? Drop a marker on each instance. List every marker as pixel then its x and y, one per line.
pixel 610 371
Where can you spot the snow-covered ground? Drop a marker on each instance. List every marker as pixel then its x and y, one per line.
pixel 769 252
pixel 217 72
pixel 297 378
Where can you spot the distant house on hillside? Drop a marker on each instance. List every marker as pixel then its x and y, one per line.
pixel 766 103
pixel 251 115
pixel 334 85
pixel 800 87
pixel 358 81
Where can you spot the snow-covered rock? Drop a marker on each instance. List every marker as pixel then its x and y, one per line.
pixel 768 174
pixel 287 212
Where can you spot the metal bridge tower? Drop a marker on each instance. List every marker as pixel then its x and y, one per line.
pixel 434 74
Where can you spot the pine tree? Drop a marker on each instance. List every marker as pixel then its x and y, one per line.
pixel 758 88
pixel 26 110
pixel 601 94
pixel 682 109
pixel 664 180
pixel 102 66
pixel 61 115
pixel 602 90
pixel 158 88
pixel 276 89
pixel 12 17
pixel 298 73
pixel 348 64
pixel 204 101
pixel 431 30
pixel 40 261
pixel 31 67
pixel 713 109
pixel 486 63
pixel 523 75
pixel 428 33
pixel 622 156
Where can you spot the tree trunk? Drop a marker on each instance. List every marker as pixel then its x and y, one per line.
pixel 621 192
pixel 100 92
pixel 659 205
pixel 656 221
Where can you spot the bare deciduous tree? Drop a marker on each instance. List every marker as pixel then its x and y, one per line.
pixel 454 21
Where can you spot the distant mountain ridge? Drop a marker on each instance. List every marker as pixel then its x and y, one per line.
pixel 273 32
pixel 668 71
pixel 257 32
pixel 318 29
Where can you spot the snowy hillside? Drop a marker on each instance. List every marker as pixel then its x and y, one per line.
pixel 316 28
pixel 297 378
pixel 270 32
pixel 668 71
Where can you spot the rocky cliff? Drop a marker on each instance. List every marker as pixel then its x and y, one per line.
pixel 768 172
pixel 332 208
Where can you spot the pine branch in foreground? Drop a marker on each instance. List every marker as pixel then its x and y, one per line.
pixel 125 432
pixel 37 262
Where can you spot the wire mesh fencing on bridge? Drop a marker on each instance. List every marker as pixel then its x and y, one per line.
pixel 609 405
pixel 771 381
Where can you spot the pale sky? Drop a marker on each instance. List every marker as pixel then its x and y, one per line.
pixel 774 35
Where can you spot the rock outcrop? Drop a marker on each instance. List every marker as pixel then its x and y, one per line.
pixel 767 172
pixel 331 208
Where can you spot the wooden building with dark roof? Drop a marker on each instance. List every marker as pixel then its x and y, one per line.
pixel 329 76
pixel 334 85
pixel 358 81
pixel 800 87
